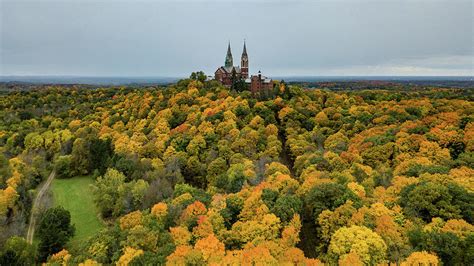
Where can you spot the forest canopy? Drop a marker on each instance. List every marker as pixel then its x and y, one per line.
pixel 196 173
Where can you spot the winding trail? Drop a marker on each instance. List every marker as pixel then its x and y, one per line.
pixel 36 207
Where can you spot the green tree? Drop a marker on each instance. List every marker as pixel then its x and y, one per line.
pixel 34 141
pixel 215 168
pixel 104 245
pixel 286 207
pixel 378 154
pixel 328 196
pixel 62 164
pixel 17 251
pixel 235 178
pixel 240 85
pixel 107 190
pixel 427 200
pixel 54 231
pixel 80 157
pixel 100 154
pixel 5 170
pixel 199 75
pixel 232 210
pixel 451 249
pixel 194 172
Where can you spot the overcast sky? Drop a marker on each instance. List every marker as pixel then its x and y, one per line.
pixel 284 38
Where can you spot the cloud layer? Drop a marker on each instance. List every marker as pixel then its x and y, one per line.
pixel 164 38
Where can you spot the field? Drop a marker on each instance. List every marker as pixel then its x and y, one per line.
pixel 75 196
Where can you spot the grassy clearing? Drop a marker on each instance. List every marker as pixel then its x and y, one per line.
pixel 75 195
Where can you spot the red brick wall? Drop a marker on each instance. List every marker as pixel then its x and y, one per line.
pixel 245 72
pixel 257 85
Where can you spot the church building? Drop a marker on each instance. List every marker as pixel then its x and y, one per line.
pixel 228 73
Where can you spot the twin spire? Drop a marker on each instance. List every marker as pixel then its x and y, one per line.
pixel 229 62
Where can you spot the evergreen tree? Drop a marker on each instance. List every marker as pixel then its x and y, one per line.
pixel 54 231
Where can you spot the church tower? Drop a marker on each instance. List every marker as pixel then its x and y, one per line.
pixel 228 59
pixel 244 63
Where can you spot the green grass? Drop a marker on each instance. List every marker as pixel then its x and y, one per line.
pixel 75 195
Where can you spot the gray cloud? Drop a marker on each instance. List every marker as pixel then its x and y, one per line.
pixel 166 38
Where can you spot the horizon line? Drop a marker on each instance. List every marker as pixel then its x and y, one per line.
pixel 171 76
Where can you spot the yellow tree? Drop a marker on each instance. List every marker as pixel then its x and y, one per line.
pixel 458 227
pixel 336 142
pixel 128 255
pixel 160 210
pixel 291 232
pixel 351 259
pixel 292 256
pixel 330 221
pixel 422 258
pixel 142 238
pixel 367 244
pixel 131 220
pixel 392 234
pixel 322 119
pixel 90 262
pixel 181 235
pixel 60 258
pixel 203 228
pixel 256 231
pixel 258 255
pixel 8 198
pixel 211 248
pixel 185 255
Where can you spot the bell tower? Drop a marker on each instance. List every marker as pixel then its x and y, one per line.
pixel 244 63
pixel 228 59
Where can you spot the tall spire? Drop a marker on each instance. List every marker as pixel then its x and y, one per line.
pixel 244 62
pixel 228 59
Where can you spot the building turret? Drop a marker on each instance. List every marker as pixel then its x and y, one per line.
pixel 244 63
pixel 228 59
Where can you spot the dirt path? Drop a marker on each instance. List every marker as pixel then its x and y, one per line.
pixel 36 207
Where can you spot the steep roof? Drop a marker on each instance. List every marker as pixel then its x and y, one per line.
pixel 244 52
pixel 229 69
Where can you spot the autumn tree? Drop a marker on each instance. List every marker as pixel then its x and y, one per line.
pixel 336 142
pixel 367 244
pixel 421 258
